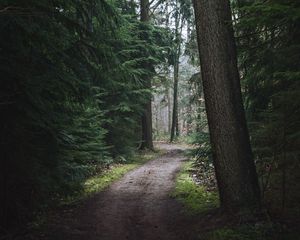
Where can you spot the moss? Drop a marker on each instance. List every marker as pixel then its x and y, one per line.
pixel 195 198
pixel 100 182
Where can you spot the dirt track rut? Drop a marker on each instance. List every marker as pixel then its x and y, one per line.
pixel 137 207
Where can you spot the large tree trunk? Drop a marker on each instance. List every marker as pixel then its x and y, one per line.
pixel 147 141
pixel 233 161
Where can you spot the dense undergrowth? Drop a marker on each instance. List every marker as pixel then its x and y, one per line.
pixel 196 188
pixel 258 231
pixel 196 198
pixel 199 196
pixel 71 96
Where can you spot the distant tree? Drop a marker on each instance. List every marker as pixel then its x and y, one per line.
pixel 182 14
pixel 177 51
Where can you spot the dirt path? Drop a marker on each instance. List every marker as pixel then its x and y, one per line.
pixel 137 207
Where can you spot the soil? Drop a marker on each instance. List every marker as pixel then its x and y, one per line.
pixel 136 207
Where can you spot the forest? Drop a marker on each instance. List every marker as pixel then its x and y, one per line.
pixel 150 119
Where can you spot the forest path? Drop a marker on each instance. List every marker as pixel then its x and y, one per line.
pixel 136 207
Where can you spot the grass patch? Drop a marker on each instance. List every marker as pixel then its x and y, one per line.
pixel 244 232
pixel 101 181
pixel 258 231
pixel 91 186
pixel 195 198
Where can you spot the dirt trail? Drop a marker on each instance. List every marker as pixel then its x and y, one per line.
pixel 137 207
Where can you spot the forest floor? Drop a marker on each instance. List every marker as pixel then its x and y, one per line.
pixel 138 206
pixel 157 200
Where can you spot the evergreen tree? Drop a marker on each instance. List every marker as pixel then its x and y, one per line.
pixel 232 156
pixel 71 96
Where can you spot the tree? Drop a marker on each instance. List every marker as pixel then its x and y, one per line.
pixel 268 34
pixel 232 154
pixel 147 141
pixel 182 13
pixel 72 105
pixel 177 51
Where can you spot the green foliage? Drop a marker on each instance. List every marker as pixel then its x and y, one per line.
pixel 195 198
pixel 258 231
pixel 268 34
pixel 102 180
pixel 202 151
pixel 71 96
pixel 191 49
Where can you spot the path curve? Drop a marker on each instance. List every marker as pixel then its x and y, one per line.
pixel 136 207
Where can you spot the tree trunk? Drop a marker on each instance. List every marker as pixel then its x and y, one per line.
pixel 90 19
pixel 147 141
pixel 233 161
pixel 169 112
pixel 189 120
pixel 174 126
pixel 145 10
pixel 168 89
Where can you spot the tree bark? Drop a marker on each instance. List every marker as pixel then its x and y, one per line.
pixel 174 126
pixel 145 10
pixel 233 160
pixel 178 32
pixel 169 112
pixel 168 89
pixel 147 141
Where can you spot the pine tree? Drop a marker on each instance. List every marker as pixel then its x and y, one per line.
pixel 233 161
